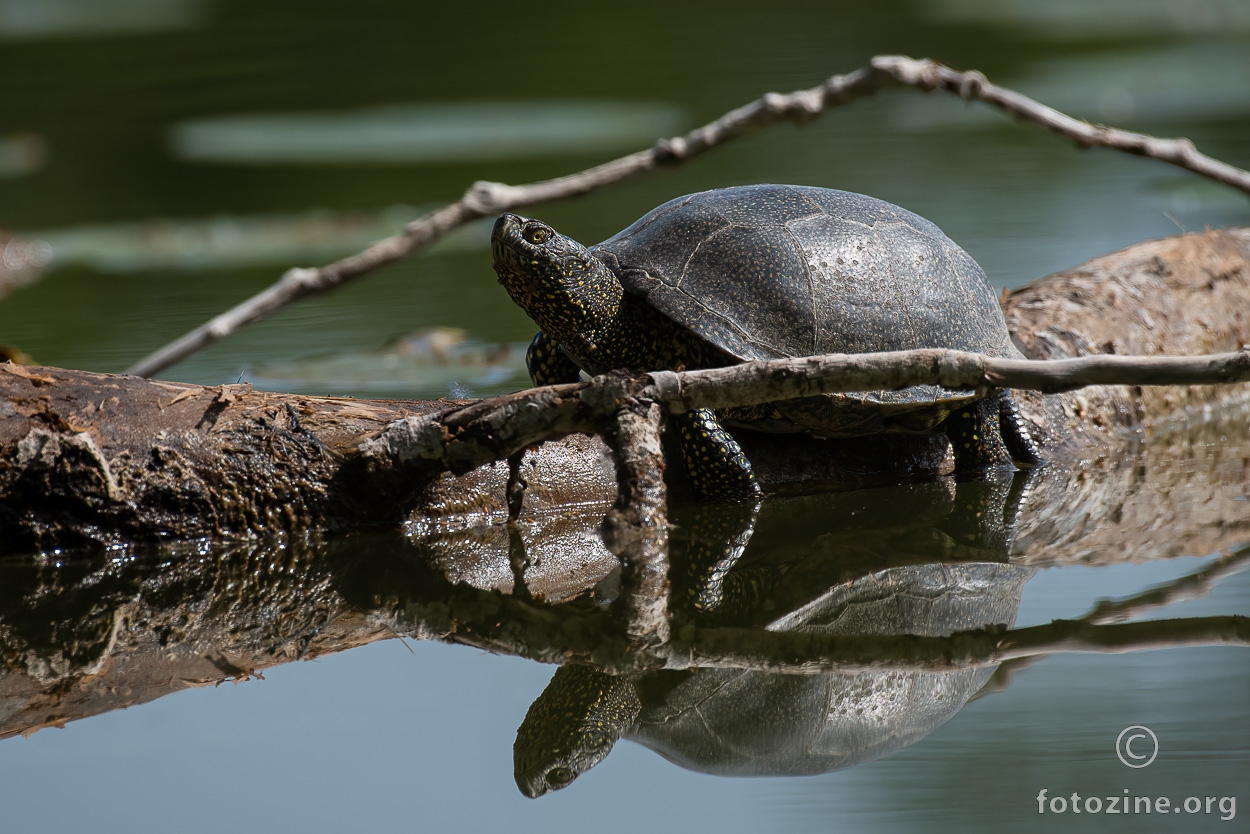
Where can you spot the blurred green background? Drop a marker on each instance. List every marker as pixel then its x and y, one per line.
pixel 174 156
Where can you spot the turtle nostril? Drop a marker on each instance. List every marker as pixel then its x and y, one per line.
pixel 505 221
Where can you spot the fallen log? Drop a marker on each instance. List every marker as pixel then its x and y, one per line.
pixel 99 460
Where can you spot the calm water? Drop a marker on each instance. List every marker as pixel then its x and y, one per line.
pixel 176 155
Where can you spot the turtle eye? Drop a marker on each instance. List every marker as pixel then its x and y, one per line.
pixel 537 233
pixel 558 777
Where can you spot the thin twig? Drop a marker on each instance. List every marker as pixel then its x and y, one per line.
pixel 972 85
pixel 563 634
pixel 1119 638
pixel 484 199
pixel 492 429
pixel 810 653
pixel 752 383
pixel 1196 585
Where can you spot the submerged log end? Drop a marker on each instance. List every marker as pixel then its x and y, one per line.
pixel 1186 295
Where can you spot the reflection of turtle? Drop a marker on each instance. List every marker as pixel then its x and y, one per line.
pixel 763 272
pixel 745 722
pixel 749 723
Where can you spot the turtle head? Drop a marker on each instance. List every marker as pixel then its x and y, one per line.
pixel 566 290
pixel 571 727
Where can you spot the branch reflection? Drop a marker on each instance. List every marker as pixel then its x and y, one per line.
pixel 811 634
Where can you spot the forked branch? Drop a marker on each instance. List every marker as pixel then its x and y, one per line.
pixel 484 199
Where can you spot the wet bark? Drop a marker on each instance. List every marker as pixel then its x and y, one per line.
pixel 97 460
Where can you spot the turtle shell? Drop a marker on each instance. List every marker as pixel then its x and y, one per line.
pixel 772 271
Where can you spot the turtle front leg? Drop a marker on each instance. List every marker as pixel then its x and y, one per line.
pixel 718 470
pixel 547 364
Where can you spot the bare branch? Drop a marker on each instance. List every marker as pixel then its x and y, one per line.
pixel 1193 586
pixel 1196 585
pixel 559 634
pixel 809 653
pixel 484 199
pixel 458 440
pixel 1118 638
pixel 972 85
pixel 751 383
pixel 461 439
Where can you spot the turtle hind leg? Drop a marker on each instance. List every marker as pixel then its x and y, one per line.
pixel 714 461
pixel 975 437
pixel 547 364
pixel 990 432
pixel 1020 444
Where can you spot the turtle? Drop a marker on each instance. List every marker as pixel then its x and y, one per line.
pixel 752 272
pixel 882 577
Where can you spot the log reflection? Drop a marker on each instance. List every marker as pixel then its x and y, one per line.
pixel 787 626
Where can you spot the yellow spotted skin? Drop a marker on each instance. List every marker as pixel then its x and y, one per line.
pixel 547 364
pixel 714 461
pixel 975 438
pixel 590 324
pixel 990 432
pixel 719 535
pixel 570 727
